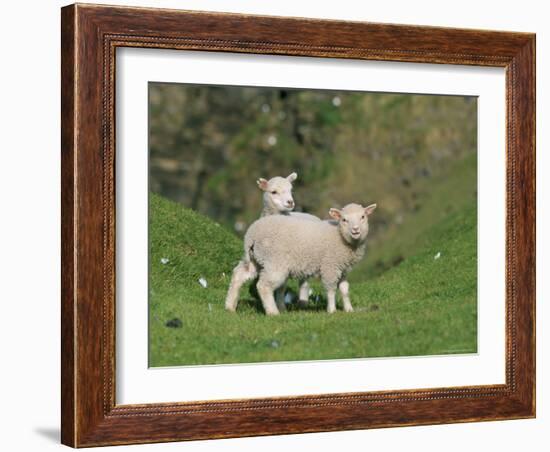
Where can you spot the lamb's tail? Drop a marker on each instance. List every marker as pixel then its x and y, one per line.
pixel 248 252
pixel 249 243
pixel 244 271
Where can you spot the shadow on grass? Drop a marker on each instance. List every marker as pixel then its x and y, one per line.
pixel 314 304
pixel 252 303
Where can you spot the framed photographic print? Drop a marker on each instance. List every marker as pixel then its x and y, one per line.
pixel 281 225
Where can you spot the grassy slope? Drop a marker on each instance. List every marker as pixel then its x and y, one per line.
pixel 421 306
pixel 437 199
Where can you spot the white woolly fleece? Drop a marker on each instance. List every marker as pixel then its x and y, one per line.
pixel 289 247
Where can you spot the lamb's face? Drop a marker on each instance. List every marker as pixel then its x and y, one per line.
pixel 353 222
pixel 278 192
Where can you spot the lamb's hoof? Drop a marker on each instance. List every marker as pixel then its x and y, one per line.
pixel 331 310
pixel 230 309
pixel 271 313
pixel 348 309
pixel 303 303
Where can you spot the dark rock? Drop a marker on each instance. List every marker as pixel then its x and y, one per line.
pixel 174 323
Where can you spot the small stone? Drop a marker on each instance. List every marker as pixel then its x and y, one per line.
pixel 203 282
pixel 174 323
pixel 164 260
pixel 437 256
pixel 275 344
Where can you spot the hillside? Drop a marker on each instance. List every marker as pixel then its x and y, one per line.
pixel 435 200
pixel 423 303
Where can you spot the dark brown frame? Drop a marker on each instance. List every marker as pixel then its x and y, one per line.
pixel 90 35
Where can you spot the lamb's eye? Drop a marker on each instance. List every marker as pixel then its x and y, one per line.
pixel 344 220
pixel 274 192
pixel 363 217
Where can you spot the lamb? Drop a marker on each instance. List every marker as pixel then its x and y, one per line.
pixel 278 200
pixel 278 247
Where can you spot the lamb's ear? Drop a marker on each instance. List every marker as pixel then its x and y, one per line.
pixel 291 177
pixel 262 183
pixel 335 213
pixel 370 209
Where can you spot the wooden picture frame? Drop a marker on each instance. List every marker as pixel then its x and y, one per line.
pixel 90 36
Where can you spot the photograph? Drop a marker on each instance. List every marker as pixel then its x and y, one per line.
pixel 295 224
pixel 284 222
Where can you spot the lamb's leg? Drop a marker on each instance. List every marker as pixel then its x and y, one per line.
pixel 304 293
pixel 267 283
pixel 280 298
pixel 344 290
pixel 243 272
pixel 331 299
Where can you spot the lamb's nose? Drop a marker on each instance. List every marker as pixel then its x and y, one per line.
pixel 290 203
pixel 355 230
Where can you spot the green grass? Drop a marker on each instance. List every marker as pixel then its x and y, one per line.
pixel 416 306
pixel 436 200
